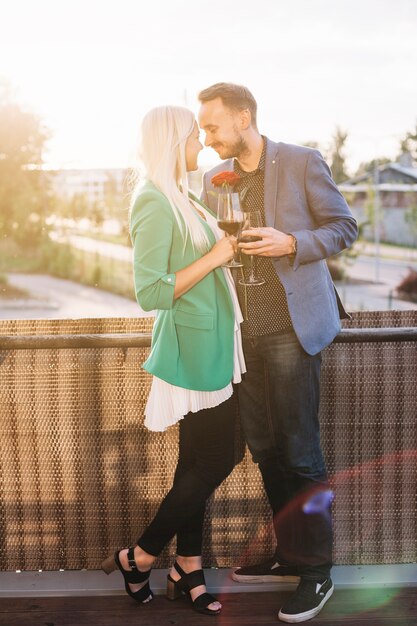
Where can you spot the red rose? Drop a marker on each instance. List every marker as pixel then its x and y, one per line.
pixel 225 179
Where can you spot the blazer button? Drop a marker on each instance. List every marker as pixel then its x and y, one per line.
pixel 169 280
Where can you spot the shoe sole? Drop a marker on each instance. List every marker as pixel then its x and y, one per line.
pixel 268 578
pixel 303 617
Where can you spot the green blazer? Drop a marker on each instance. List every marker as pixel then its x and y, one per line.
pixel 192 339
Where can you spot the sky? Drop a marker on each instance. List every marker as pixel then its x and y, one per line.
pixel 91 69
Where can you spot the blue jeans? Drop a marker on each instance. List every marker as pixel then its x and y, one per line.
pixel 278 405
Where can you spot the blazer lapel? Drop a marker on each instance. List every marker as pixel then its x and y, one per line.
pixel 271 181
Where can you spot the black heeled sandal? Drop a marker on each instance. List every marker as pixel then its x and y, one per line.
pixel 134 577
pixel 185 584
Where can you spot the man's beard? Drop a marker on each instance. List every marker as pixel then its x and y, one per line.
pixel 235 150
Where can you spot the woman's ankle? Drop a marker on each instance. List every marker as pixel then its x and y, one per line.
pixel 189 563
pixel 143 560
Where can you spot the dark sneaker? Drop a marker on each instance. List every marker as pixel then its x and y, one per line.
pixel 307 602
pixel 267 572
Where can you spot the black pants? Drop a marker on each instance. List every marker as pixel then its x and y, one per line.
pixel 206 458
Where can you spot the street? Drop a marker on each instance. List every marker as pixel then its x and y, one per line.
pixel 370 285
pixel 370 294
pixel 54 298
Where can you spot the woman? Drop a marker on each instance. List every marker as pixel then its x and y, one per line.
pixel 196 350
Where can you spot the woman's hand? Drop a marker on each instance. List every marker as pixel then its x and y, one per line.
pixel 223 250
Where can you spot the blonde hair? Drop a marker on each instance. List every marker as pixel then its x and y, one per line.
pixel 163 137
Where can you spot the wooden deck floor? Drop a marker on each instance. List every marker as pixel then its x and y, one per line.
pixel 364 607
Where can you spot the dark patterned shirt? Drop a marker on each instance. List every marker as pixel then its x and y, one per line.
pixel 264 307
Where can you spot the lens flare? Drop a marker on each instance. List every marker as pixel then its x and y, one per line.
pixel 319 502
pixel 361 497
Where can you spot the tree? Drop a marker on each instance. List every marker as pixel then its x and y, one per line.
pixel 368 167
pixel 409 143
pixel 24 187
pixel 336 156
pixel 312 144
pixel 73 207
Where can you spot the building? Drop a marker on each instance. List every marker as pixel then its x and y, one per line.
pixel 387 195
pixel 97 184
pixel 94 184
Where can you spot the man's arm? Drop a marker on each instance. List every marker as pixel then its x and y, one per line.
pixel 336 227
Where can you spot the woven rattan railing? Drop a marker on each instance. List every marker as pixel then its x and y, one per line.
pixel 80 475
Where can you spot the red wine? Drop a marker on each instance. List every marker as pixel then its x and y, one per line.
pixel 249 239
pixel 230 227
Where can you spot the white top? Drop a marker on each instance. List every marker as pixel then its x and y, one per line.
pixel 167 403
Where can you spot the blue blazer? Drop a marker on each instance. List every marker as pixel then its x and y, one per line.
pixel 301 198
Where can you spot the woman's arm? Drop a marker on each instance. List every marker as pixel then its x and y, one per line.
pixel 221 252
pixel 152 226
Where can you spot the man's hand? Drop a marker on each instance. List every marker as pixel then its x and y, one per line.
pixel 273 242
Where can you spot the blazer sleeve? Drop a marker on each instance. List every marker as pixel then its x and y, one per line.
pixel 336 226
pixel 151 228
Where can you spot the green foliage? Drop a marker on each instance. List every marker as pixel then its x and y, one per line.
pixel 336 155
pixel 407 288
pixel 370 207
pixel 370 204
pixel 26 200
pixel 97 275
pixel 57 259
pixel 24 187
pixel 97 213
pixel 75 207
pixel 368 167
pixel 64 261
pixel 8 291
pixel 112 204
pixel 409 143
pixel 312 144
pixel 103 272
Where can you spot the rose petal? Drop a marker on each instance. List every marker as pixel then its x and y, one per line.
pixel 225 178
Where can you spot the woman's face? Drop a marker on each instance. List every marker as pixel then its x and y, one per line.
pixel 192 148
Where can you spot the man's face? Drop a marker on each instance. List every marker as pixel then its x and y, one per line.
pixel 222 128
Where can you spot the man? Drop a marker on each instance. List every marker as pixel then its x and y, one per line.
pixel 289 320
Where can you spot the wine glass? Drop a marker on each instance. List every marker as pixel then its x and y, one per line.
pixel 252 219
pixel 230 218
